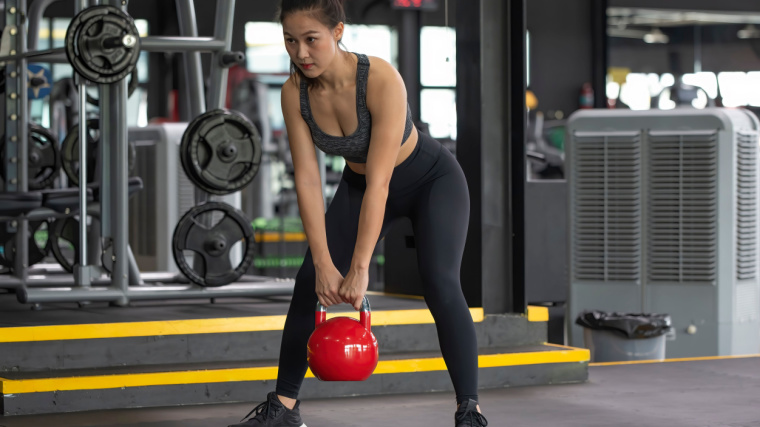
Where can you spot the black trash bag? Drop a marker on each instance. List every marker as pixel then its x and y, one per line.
pixel 632 325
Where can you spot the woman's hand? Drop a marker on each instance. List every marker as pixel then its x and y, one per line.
pixel 354 287
pixel 328 283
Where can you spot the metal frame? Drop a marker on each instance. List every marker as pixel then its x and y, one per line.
pixel 16 153
pixel 126 282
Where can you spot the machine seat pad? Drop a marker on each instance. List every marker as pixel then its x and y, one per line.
pixel 63 199
pixel 134 184
pixel 15 204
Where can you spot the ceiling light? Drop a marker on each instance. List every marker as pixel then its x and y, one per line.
pixel 656 36
pixel 749 32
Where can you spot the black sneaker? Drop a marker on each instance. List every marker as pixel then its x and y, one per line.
pixel 273 413
pixel 468 416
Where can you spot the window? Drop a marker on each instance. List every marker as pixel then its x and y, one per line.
pixel 644 91
pixel 265 48
pixel 439 110
pixel 438 78
pixel 734 89
pixel 372 40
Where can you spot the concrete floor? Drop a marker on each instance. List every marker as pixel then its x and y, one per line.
pixel 712 393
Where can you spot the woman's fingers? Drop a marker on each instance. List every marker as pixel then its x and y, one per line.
pixel 343 295
pixel 335 298
pixel 323 301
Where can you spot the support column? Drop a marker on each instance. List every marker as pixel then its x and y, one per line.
pixel 409 57
pixel 491 73
pixel 599 52
pixel 515 129
pixel 114 135
pixel 470 141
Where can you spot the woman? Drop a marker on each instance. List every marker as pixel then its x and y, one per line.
pixel 354 106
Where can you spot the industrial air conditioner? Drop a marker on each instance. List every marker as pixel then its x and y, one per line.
pixel 663 218
pixel 166 196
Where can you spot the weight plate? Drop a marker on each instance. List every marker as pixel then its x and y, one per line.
pixel 107 257
pixel 70 152
pixel 64 242
pixel 103 44
pixel 209 232
pixel 221 152
pixel 38 249
pixel 43 158
pixel 185 143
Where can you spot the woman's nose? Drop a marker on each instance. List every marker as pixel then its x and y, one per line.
pixel 302 52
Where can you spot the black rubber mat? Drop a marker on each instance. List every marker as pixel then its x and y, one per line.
pixel 715 393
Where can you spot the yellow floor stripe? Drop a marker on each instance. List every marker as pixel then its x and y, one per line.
pixel 270 373
pixel 199 326
pixel 271 237
pixel 685 359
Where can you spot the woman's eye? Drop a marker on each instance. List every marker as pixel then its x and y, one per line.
pixel 311 39
pixel 289 40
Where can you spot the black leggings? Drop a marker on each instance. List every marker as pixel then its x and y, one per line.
pixel 429 188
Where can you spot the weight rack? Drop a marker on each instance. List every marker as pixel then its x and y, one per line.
pixel 126 282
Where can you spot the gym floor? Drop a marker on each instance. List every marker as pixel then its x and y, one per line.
pixel 696 393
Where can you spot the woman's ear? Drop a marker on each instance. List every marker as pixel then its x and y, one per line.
pixel 338 32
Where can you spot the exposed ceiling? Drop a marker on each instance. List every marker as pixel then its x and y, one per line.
pixel 621 17
pixel 646 24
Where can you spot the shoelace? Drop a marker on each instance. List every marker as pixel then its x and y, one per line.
pixel 473 416
pixel 263 408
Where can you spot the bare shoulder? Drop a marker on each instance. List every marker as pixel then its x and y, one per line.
pixel 382 71
pixel 290 90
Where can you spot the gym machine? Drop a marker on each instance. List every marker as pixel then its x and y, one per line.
pixel 220 153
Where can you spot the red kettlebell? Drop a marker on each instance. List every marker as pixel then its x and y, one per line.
pixel 342 348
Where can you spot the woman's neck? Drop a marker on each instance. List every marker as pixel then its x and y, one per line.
pixel 340 74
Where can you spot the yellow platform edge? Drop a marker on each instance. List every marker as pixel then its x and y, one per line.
pixel 538 313
pixel 570 355
pixel 199 326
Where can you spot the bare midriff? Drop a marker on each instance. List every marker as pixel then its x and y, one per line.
pixel 404 153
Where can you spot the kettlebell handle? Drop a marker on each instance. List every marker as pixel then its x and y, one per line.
pixel 364 316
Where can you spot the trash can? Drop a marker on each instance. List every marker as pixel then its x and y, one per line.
pixel 617 337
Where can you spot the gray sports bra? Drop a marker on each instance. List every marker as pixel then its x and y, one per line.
pixel 354 147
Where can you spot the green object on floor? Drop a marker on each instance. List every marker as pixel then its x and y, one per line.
pixel 288 225
pixel 294 261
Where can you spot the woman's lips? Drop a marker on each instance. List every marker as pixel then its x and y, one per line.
pixel 307 66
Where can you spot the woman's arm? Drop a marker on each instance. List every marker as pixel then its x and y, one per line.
pixel 307 179
pixel 387 102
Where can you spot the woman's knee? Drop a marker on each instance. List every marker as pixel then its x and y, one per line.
pixel 442 291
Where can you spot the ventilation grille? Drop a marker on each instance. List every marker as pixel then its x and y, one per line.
pixel 746 209
pixel 142 225
pixel 607 205
pixel 682 216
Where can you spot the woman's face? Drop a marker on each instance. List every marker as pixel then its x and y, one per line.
pixel 310 44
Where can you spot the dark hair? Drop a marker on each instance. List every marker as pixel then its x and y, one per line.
pixel 328 12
